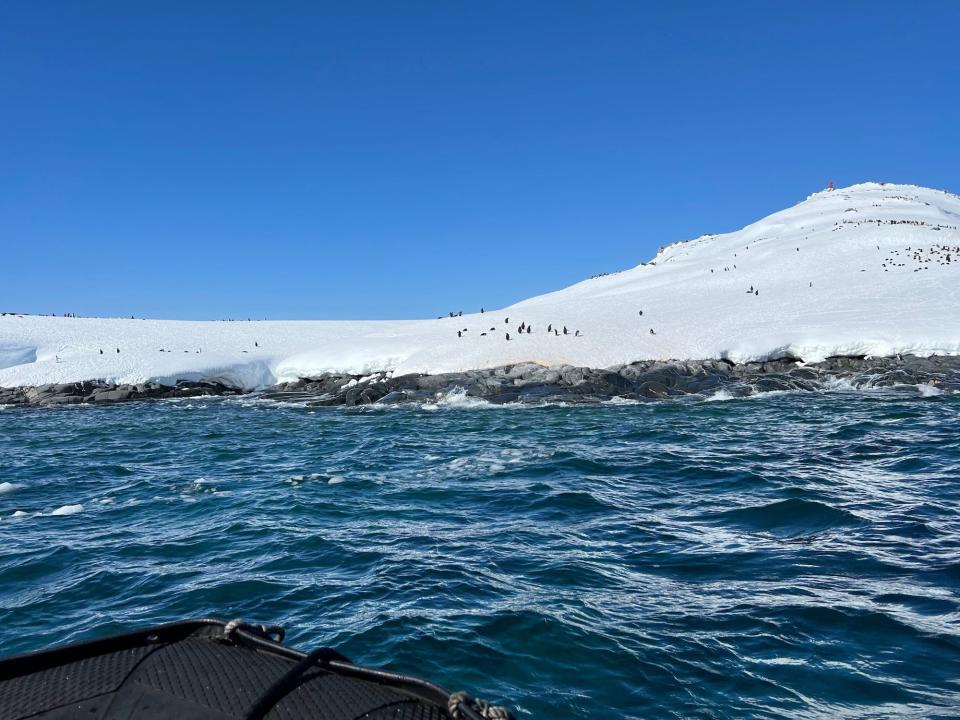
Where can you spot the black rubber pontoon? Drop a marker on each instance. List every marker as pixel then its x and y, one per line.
pixel 214 670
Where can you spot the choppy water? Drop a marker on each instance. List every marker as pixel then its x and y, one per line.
pixel 789 555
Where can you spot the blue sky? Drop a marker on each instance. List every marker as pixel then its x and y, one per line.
pixel 399 160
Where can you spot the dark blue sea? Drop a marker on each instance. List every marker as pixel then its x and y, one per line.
pixel 793 555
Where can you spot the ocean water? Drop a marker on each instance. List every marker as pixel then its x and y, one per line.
pixel 791 555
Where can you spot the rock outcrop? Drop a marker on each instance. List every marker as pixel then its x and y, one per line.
pixel 531 383
pixel 101 393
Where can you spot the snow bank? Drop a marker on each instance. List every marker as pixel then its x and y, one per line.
pixel 864 270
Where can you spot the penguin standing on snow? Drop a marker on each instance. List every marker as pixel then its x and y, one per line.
pixel 550 327
pixel 459 333
pixel 564 329
pixel 508 336
pixel 101 351
pixel 652 332
pixel 529 329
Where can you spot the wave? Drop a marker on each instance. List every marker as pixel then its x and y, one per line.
pixel 457 399
pixel 791 518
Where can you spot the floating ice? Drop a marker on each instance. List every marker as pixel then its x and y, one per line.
pixel 68 510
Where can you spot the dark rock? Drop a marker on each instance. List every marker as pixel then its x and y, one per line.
pixel 532 383
pixel 653 389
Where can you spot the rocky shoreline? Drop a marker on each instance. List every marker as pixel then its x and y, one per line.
pixel 100 393
pixel 530 383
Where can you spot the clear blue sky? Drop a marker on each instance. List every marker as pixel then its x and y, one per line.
pixel 403 159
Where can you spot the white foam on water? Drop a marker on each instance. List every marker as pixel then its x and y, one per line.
pixel 6 487
pixel 617 400
pixel 336 480
pixel 298 479
pixel 67 510
pixel 20 514
pixel 720 396
pixel 928 390
pixel 457 399
pixel 841 384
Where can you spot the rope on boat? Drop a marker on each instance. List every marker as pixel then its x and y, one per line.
pixel 272 632
pixel 458 700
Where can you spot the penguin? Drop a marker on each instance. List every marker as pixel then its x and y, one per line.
pixel 459 333
pixel 564 329
pixel 508 336
pixel 756 292
pixel 256 344
pixel 522 326
pixel 101 351
pixel 652 332
pixel 529 329
pixel 481 311
pixel 118 351
pixel 641 312
pixel 577 334
pixel 483 334
pixel 507 321
pixel 492 329
pixel 550 327
pixel 556 333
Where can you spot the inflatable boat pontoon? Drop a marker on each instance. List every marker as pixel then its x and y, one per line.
pixel 215 670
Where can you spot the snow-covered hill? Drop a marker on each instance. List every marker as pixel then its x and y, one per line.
pixel 866 270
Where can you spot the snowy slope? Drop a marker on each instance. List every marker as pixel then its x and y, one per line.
pixel 857 271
